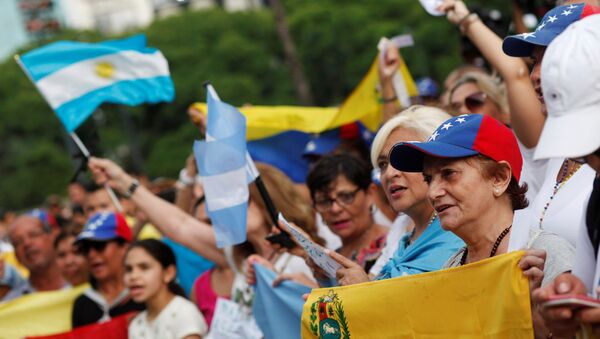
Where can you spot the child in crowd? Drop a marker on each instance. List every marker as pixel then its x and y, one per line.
pixel 150 276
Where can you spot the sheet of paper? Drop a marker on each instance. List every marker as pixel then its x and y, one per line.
pixel 431 6
pixel 314 251
pixel 231 321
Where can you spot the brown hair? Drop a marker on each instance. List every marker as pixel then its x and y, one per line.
pixel 287 199
pixel 516 192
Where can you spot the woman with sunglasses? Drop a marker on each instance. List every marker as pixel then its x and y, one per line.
pixel 342 192
pixel 557 188
pixel 479 93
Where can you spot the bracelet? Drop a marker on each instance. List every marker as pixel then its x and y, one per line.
pixel 388 100
pixel 465 22
pixel 132 188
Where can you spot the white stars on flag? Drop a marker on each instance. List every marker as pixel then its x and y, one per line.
pixel 433 136
pixel 540 26
pixel 528 35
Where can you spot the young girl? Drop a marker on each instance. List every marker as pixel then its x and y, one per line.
pixel 149 274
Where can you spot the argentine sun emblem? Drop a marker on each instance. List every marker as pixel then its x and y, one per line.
pixel 327 318
pixel 104 69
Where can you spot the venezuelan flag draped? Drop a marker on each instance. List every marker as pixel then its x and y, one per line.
pixel 486 299
pixel 278 134
pixel 40 313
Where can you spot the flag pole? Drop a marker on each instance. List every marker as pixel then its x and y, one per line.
pixel 80 145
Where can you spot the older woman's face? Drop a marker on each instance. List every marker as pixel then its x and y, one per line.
pixel 404 190
pixel 349 213
pixel 468 98
pixel 457 190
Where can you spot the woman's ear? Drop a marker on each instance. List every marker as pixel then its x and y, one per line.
pixel 371 192
pixel 170 274
pixel 501 178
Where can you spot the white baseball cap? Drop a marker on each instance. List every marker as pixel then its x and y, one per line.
pixel 571 86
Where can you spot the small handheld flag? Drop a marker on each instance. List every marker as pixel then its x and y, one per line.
pixel 226 170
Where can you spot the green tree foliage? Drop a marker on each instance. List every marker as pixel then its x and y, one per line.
pixel 237 52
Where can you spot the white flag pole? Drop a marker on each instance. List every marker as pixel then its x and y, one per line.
pixel 73 135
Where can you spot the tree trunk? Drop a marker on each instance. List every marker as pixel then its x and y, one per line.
pixel 300 82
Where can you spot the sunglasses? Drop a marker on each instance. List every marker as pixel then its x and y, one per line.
pixel 581 160
pixel 473 102
pixel 98 246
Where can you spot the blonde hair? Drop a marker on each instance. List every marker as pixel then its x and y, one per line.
pixel 423 120
pixel 492 87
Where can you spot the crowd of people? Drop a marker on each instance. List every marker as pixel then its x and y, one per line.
pixel 445 184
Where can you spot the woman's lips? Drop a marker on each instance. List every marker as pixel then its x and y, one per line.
pixel 396 191
pixel 441 209
pixel 340 225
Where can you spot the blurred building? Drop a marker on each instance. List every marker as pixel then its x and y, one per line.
pixel 22 21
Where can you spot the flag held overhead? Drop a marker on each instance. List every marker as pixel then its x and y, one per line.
pixel 76 77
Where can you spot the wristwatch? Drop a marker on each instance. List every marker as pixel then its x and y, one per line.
pixel 134 185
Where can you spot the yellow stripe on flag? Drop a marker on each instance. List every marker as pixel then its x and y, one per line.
pixel 39 313
pixel 362 105
pixel 486 299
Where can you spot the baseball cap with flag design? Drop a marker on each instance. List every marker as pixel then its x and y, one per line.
pixel 551 25
pixel 104 226
pixel 571 74
pixel 459 137
pixel 46 218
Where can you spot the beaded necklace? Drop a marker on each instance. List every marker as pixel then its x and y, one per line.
pixel 566 173
pixel 409 239
pixel 494 248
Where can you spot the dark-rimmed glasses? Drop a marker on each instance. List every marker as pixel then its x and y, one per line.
pixel 343 198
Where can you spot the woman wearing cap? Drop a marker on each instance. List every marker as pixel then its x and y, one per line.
pixel 557 187
pixel 472 165
pixel 426 247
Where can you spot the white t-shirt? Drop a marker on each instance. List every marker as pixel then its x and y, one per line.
pixel 180 318
pixel 397 230
pixel 566 206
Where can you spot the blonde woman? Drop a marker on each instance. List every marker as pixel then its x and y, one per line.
pixel 476 92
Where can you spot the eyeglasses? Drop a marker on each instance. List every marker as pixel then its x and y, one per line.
pixel 98 246
pixel 473 102
pixel 342 198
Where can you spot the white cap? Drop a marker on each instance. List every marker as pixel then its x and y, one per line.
pixel 571 86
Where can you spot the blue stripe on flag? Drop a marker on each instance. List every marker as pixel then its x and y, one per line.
pixel 283 151
pixel 229 225
pixel 221 162
pixel 277 310
pixel 48 59
pixel 127 92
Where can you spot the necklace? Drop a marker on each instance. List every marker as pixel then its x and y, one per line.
pixel 409 240
pixel 494 248
pixel 566 173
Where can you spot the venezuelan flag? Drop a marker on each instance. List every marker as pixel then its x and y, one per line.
pixel 278 134
pixel 486 299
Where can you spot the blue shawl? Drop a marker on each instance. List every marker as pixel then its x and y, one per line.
pixel 428 253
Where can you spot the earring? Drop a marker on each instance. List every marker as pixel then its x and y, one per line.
pixel 373 209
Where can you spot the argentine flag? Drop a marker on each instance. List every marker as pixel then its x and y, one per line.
pixel 226 170
pixel 76 77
